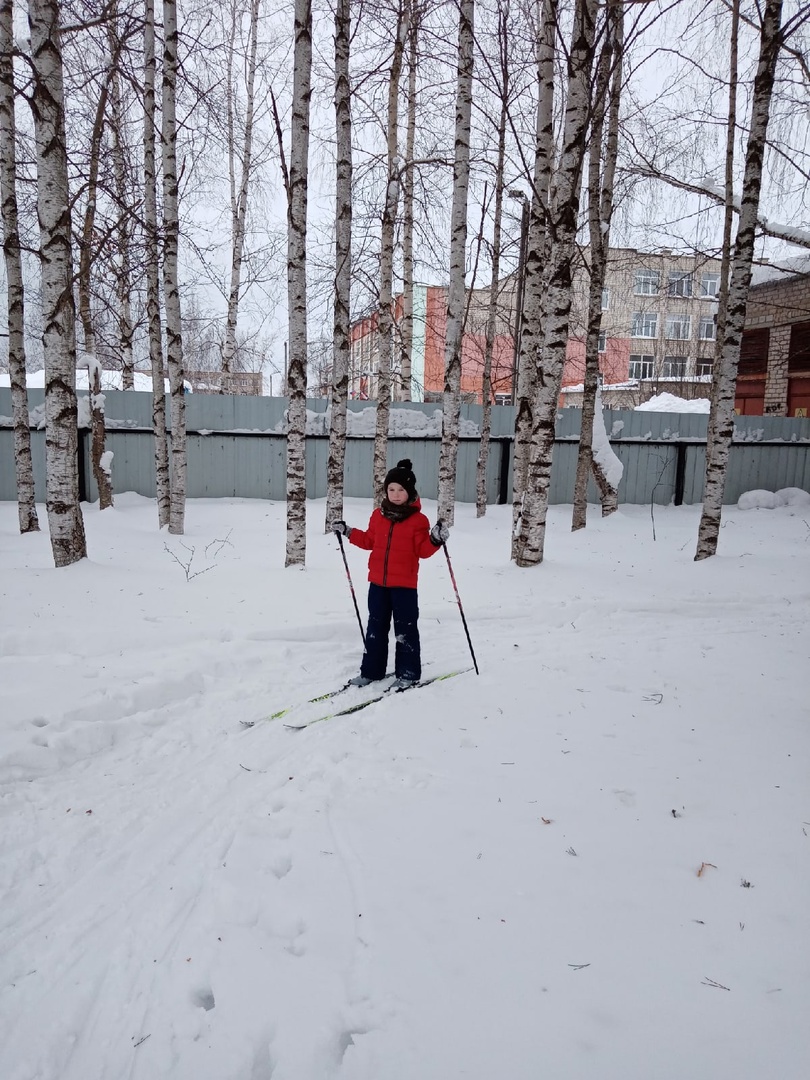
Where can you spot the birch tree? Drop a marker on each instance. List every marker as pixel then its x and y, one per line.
pixel 123 268
pixel 601 174
pixel 151 246
pixel 721 419
pixel 415 12
pixel 504 94
pixel 341 344
pixel 58 313
pixel 171 288
pixel 562 223
pixel 26 504
pixel 458 251
pixel 297 285
pixel 87 252
pixel 535 274
pixel 240 168
pixel 385 323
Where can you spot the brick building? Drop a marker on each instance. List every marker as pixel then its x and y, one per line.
pixel 658 328
pixel 774 372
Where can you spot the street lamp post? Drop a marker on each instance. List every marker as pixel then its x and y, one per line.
pixel 516 193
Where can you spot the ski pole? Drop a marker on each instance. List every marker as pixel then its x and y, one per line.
pixel 351 586
pixel 461 609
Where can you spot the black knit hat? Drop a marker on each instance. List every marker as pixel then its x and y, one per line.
pixel 402 475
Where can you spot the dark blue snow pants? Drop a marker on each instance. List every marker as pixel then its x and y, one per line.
pixel 403 604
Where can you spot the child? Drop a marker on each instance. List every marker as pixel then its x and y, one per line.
pixel 398 536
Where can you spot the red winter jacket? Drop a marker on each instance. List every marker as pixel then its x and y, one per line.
pixel 396 548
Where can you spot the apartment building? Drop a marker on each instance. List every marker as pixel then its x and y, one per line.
pixel 658 327
pixel 427 348
pixel 658 318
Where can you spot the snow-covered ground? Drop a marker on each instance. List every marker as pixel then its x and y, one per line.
pixel 587 863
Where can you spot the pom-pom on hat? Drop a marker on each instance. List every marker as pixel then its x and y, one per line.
pixel 402 475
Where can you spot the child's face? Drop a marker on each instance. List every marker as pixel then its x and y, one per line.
pixel 396 494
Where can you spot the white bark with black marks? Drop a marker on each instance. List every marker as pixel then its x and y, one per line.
pixel 124 285
pixel 408 185
pixel 456 291
pixel 385 306
pixel 562 225
pixel 240 170
pixel 534 284
pixel 341 343
pixel 58 313
pixel 15 293
pixel 721 419
pixel 503 90
pixel 601 173
pixel 87 253
pixel 151 246
pixel 297 285
pixel 171 288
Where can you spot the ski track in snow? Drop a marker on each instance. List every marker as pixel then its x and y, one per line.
pixel 486 877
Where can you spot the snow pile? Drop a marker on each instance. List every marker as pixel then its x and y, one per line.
pixel 402 424
pixel 603 452
pixel 587 863
pixel 674 404
pixel 771 500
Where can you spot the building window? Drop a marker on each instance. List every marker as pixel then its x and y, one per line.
pixel 603 341
pixel 679 327
pixel 680 283
pixel 605 300
pixel 708 330
pixel 503 399
pixel 674 367
pixel 647 282
pixel 641 367
pixel 709 285
pixel 704 365
pixel 645 324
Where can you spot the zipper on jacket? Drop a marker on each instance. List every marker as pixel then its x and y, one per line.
pixel 387 549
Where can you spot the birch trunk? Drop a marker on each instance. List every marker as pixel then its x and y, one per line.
pixel 341 343
pixel 239 197
pixel 534 283
pixel 297 286
pixel 162 484
pixel 26 502
pixel 101 473
pixel 601 173
pixel 126 329
pixel 458 252
pixel 495 287
pixel 563 224
pixel 385 324
pixel 408 182
pixel 58 313
pixel 728 217
pixel 171 291
pixel 721 421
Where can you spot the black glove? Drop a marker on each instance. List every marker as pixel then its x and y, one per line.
pixel 439 534
pixel 340 528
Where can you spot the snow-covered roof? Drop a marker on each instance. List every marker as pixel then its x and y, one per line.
pixel 781 271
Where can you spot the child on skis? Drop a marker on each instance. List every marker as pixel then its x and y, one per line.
pixel 398 536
